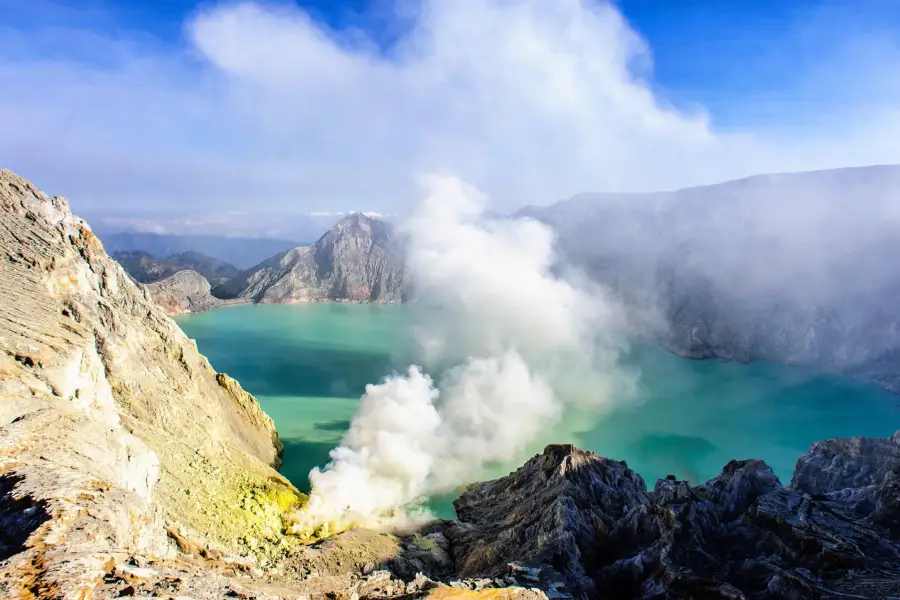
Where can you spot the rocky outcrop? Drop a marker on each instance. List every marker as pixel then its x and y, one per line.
pixel 356 261
pixel 186 292
pixel 581 525
pixel 115 433
pixel 145 268
pixel 792 268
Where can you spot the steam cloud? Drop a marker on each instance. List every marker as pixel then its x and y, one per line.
pixel 519 337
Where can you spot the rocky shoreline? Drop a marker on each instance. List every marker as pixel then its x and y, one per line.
pixel 130 468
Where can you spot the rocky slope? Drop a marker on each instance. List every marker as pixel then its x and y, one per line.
pixel 185 292
pixel 579 524
pixel 356 260
pixel 793 268
pixel 146 268
pixel 113 428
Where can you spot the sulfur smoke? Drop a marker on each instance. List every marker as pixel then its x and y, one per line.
pixel 521 338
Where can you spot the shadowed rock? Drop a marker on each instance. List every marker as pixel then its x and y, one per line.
pixel 583 525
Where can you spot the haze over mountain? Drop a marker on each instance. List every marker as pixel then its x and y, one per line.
pixel 241 252
pixel 793 267
pixel 264 222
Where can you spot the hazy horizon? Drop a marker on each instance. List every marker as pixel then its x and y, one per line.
pixel 299 105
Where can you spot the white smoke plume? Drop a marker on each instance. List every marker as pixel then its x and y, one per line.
pixel 521 338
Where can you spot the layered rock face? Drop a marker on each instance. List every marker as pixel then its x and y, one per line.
pixel 581 525
pixel 356 260
pixel 113 428
pixel 791 268
pixel 186 292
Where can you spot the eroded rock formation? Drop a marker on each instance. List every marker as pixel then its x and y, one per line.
pixel 584 525
pixel 356 260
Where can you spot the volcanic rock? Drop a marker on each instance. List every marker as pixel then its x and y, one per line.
pixel 583 525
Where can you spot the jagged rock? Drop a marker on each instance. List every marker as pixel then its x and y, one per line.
pixel 186 292
pixel 582 524
pixel 839 464
pixel 356 261
pixel 552 512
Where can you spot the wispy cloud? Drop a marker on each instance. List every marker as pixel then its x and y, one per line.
pixel 261 106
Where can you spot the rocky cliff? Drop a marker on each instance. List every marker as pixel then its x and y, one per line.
pixel 792 268
pixel 185 292
pixel 356 260
pixel 117 438
pixel 581 525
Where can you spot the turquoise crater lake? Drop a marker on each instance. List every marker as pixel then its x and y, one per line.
pixel 308 364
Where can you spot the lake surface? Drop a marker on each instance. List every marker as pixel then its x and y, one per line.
pixel 309 364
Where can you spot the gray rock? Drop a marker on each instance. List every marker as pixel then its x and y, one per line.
pixel 356 260
pixel 846 463
pixel 582 525
pixel 549 518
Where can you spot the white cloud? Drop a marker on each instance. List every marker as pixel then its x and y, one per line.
pixel 531 101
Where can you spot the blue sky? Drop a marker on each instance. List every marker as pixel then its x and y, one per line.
pixel 325 106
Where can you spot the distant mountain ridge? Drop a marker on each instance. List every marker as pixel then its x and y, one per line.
pixel 357 260
pixel 241 252
pixel 146 268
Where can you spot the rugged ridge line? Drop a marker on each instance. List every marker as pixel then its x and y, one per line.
pixel 583 526
pixel 356 260
pixel 146 268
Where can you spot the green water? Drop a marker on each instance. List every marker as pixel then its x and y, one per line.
pixel 309 364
